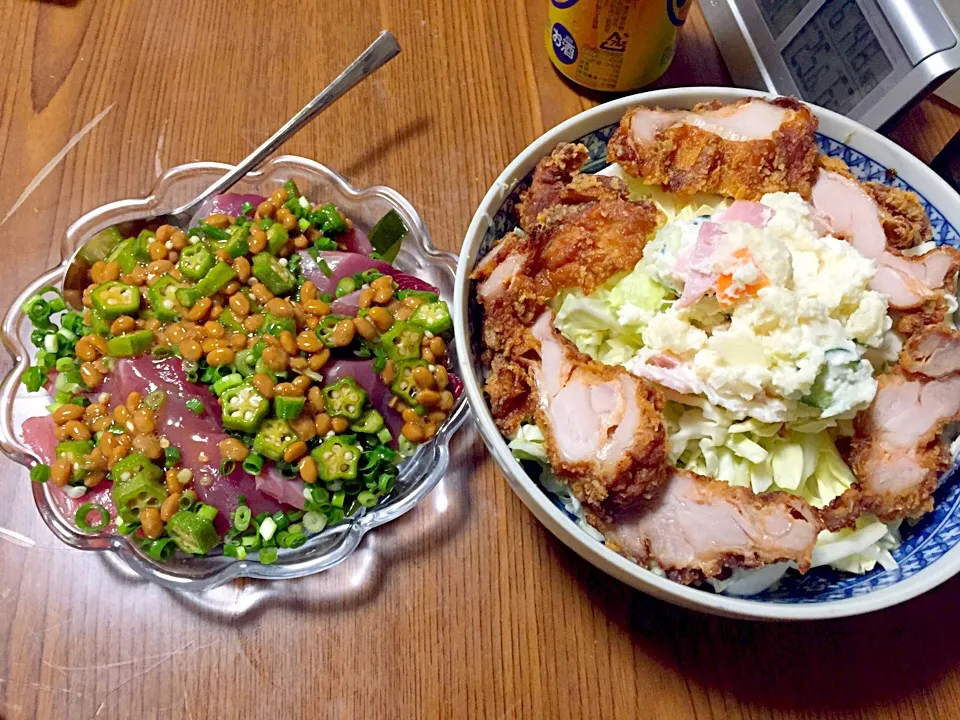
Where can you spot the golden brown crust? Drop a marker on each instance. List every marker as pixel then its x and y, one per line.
pixel 859 500
pixel 870 454
pixel 834 165
pixel 718 562
pixel 580 231
pixel 933 312
pixel 932 352
pixel 686 159
pixel 904 221
pixel 549 178
pixel 590 243
pixel 513 399
pixel 637 473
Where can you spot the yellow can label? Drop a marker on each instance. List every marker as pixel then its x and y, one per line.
pixel 614 44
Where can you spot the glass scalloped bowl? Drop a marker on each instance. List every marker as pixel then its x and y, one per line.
pixel 418 473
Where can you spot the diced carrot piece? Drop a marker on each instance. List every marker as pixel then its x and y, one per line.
pixel 727 293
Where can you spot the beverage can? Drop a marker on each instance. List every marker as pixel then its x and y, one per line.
pixel 614 45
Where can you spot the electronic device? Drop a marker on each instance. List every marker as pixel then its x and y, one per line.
pixel 866 59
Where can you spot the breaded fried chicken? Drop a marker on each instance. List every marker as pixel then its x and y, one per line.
pixel 852 213
pixel 901 214
pixel 743 150
pixel 897 451
pixel 550 177
pixel 933 352
pixel 697 527
pixel 604 427
pixel 580 230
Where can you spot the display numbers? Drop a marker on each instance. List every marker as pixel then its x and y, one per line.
pixel 836 58
pixel 778 14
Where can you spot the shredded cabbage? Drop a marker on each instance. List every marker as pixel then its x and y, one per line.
pixel 801 459
pixel 855 550
pixel 673 205
pixel 608 324
pixel 528 445
pixel 798 457
pixel 589 322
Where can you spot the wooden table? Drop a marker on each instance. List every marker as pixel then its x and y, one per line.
pixel 467 607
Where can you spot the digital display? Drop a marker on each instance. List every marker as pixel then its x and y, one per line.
pixel 780 13
pixel 836 58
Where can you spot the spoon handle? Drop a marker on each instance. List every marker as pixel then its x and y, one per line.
pixel 380 52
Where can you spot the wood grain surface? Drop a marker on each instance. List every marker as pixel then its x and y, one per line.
pixel 467 607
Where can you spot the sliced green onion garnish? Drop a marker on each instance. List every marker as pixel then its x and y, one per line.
pixel 314 522
pixel 267 528
pixel 346 286
pixel 253 465
pixel 241 518
pixel 292 540
pixel 155 400
pixel 84 511
pixel 367 499
pixel 171 457
pixel 324 267
pixel 235 550
pixel 385 483
pixel 161 549
pixel 163 351
pixel 247 208
pixel 281 519
pixel 338 498
pixel 318 494
pixel 227 466
pixel 207 511
pixel 227 382
pixel 196 406
pixel 34 378
pixel 40 473
pixel 268 555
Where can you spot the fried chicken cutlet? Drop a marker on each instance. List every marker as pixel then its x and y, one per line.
pixel 742 150
pixel 697 527
pixel 579 231
pixel 851 212
pixel 897 451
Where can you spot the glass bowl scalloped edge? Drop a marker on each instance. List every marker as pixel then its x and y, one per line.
pixel 419 473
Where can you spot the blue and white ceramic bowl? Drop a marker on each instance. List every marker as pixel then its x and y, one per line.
pixel 930 553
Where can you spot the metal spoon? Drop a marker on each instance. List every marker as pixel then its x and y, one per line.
pixel 380 52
